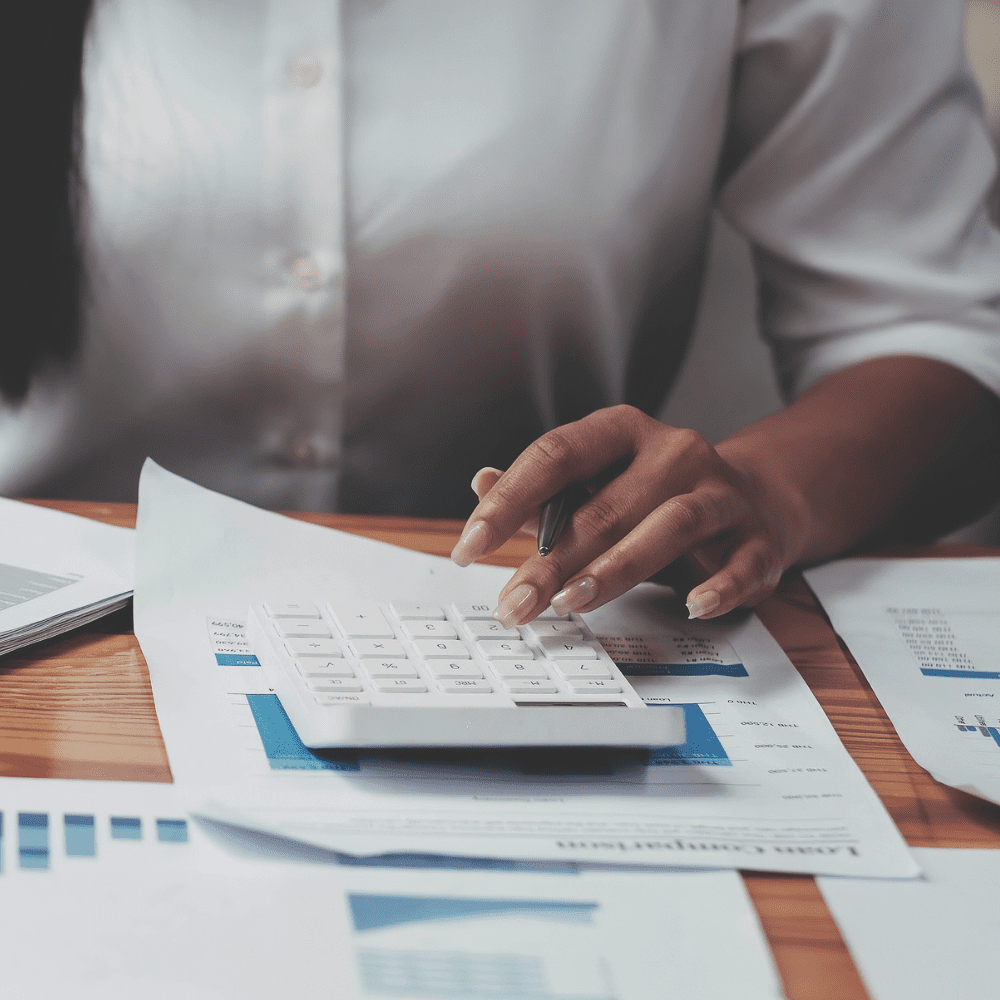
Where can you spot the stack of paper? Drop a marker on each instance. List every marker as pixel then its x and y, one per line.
pixel 926 633
pixel 109 893
pixel 58 571
pixel 763 781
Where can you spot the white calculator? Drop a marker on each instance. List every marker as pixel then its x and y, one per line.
pixel 367 675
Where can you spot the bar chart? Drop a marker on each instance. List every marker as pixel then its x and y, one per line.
pixel 472 948
pixel 38 838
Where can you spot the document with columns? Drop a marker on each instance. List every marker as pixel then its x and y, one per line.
pixel 762 781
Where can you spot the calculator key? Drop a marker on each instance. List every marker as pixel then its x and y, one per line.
pixel 361 620
pixel 400 685
pixel 519 668
pixel 302 628
pixel 468 612
pixel 528 685
pixel 429 630
pixel 335 700
pixel 334 684
pixel 454 668
pixel 540 630
pixel 442 649
pixel 490 630
pixel 303 610
pixel 314 647
pixel 378 649
pixel 320 667
pixel 581 686
pixel 410 611
pixel 582 668
pixel 464 685
pixel 504 649
pixel 567 649
pixel 390 668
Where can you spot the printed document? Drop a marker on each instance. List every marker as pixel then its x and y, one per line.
pixel 926 633
pixel 110 892
pixel 763 781
pixel 58 571
pixel 927 938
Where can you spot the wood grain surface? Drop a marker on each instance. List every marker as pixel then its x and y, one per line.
pixel 81 707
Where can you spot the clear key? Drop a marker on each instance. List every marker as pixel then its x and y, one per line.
pixel 334 684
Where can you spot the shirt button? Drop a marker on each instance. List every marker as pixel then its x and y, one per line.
pixel 304 70
pixel 302 452
pixel 306 273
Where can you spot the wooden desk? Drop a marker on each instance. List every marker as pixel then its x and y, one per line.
pixel 81 707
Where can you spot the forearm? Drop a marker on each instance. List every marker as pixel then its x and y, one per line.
pixel 894 448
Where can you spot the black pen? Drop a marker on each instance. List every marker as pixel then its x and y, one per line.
pixel 554 514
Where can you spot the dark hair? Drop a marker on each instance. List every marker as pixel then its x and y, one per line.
pixel 41 51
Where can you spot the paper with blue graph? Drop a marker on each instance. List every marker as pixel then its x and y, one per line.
pixel 763 781
pixel 111 893
pixel 926 632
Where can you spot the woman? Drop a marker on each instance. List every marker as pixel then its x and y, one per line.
pixel 343 254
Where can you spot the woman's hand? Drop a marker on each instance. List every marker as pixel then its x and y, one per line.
pixel 659 495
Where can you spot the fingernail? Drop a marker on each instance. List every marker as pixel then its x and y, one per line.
pixel 474 542
pixel 516 606
pixel 703 604
pixel 482 472
pixel 577 595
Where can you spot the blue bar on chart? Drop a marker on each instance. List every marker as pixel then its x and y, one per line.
pixel 979 675
pixel 33 840
pixel 172 831
pixel 126 828
pixel 683 669
pixel 284 750
pixel 701 745
pixel 80 841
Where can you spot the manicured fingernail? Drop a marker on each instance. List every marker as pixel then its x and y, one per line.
pixel 516 606
pixel 474 542
pixel 703 604
pixel 577 595
pixel 488 470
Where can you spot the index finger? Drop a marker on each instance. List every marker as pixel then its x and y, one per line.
pixel 573 453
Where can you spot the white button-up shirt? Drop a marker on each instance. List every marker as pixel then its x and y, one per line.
pixel 363 248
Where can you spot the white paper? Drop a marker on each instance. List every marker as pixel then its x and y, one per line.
pixel 926 633
pixel 928 938
pixel 216 915
pixel 767 784
pixel 58 571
